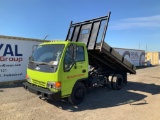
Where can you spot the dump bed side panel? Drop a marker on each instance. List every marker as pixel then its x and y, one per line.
pixel 92 33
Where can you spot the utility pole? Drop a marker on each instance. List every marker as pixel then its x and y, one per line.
pixel 146 48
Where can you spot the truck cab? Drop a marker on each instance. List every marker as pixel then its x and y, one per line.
pixel 55 67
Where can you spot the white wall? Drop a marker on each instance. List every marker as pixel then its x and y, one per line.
pixel 136 57
pixel 14 56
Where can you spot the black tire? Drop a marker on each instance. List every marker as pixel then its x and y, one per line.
pixel 117 82
pixel 78 94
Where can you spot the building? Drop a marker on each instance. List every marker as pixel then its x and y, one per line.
pixel 153 57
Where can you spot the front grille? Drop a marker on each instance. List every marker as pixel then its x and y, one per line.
pixel 39 83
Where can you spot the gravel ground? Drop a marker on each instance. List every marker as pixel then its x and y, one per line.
pixel 138 100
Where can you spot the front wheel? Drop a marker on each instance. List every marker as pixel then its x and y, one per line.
pixel 78 94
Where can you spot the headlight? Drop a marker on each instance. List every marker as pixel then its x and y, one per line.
pixel 55 85
pixel 28 78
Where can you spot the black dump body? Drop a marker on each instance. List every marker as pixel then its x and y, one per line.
pixel 92 33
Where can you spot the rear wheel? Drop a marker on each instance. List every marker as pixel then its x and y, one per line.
pixel 117 82
pixel 78 94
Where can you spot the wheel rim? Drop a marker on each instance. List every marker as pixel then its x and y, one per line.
pixel 79 94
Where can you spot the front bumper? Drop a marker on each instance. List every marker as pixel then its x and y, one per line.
pixel 45 93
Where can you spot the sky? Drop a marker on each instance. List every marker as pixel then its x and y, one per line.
pixel 134 24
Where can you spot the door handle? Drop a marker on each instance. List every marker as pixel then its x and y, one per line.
pixel 83 71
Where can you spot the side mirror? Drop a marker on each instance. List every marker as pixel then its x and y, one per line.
pixel 30 59
pixel 34 47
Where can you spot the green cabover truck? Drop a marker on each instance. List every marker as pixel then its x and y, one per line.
pixel 60 69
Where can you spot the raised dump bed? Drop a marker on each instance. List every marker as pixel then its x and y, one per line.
pixel 109 59
pixel 92 33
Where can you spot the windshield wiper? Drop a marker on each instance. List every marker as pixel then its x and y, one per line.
pixel 31 61
pixel 42 63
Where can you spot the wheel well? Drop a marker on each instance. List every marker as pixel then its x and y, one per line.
pixel 84 81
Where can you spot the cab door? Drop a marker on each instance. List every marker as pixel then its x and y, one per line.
pixel 75 67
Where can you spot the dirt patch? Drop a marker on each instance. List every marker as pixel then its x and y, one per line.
pixel 139 99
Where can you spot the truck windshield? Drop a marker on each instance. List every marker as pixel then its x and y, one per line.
pixel 47 53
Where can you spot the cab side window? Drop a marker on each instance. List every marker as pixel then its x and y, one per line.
pixel 73 54
pixel 80 54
